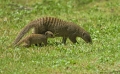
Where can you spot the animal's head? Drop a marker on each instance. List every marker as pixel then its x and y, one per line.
pixel 49 34
pixel 86 37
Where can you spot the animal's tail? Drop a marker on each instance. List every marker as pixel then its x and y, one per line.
pixel 23 32
pixel 21 41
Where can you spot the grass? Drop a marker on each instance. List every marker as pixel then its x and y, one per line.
pixel 100 18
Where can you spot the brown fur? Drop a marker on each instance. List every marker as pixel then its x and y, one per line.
pixel 57 26
pixel 36 39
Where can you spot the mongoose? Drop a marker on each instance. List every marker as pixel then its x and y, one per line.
pixel 57 26
pixel 36 39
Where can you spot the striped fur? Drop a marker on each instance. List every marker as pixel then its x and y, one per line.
pixel 57 26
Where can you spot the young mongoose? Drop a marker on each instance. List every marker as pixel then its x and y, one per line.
pixel 36 39
pixel 57 26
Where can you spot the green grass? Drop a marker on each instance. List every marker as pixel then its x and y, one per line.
pixel 101 18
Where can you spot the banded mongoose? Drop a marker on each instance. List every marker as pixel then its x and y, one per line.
pixel 36 39
pixel 57 26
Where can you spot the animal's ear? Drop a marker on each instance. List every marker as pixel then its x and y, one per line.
pixel 51 35
pixel 46 33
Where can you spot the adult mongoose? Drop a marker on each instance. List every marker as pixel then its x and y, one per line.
pixel 36 39
pixel 57 26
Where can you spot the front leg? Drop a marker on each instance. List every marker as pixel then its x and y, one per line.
pixel 73 39
pixel 64 40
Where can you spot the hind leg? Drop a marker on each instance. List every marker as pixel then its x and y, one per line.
pixel 40 44
pixel 73 39
pixel 35 31
pixel 45 42
pixel 28 44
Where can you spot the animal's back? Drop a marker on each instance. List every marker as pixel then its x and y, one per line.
pixel 55 25
pixel 37 38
